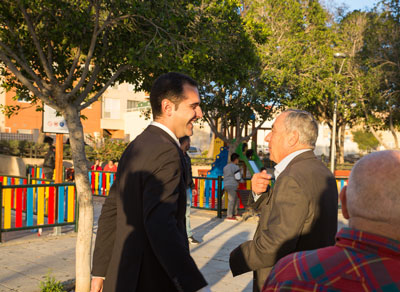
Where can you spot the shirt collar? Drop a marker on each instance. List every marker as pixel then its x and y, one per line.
pixel 354 238
pixel 167 130
pixel 281 166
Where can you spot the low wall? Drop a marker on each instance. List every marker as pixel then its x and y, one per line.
pixel 13 165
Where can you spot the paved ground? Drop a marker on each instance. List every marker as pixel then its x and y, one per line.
pixel 26 260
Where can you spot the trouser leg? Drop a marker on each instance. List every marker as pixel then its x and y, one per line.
pixel 236 205
pixel 232 196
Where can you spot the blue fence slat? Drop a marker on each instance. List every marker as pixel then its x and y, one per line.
pixel 61 202
pixel 66 202
pixel 29 207
pixel 100 182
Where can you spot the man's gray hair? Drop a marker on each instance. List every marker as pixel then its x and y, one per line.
pixel 304 123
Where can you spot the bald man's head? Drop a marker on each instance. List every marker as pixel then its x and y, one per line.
pixel 373 191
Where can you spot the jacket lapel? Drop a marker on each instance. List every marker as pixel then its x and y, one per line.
pixel 165 135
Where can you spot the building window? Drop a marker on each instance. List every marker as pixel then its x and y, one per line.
pixel 131 105
pixel 112 108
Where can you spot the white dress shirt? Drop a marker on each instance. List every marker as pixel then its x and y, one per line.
pixel 281 166
pixel 166 129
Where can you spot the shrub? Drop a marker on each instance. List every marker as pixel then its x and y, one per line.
pixel 51 285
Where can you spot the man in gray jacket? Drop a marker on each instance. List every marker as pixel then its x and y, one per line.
pixel 300 211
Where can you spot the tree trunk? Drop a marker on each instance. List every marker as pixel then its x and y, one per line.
pixel 371 128
pixel 378 137
pixel 85 223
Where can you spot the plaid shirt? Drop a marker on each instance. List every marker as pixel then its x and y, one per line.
pixel 359 261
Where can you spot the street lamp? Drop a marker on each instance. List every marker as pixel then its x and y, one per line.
pixel 333 136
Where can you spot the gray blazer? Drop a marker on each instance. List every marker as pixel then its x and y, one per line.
pixel 141 243
pixel 298 213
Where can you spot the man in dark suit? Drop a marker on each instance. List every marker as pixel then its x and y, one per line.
pixel 141 242
pixel 300 211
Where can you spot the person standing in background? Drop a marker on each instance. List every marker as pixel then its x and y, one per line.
pixel 190 190
pixel 232 176
pixel 96 165
pixel 49 163
pixel 110 166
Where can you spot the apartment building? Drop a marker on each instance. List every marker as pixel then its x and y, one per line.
pixel 104 117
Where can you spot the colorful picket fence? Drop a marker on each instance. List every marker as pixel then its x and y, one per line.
pixel 32 206
pixel 209 194
pixel 101 182
pixel 208 191
pixel 37 172
pixel 341 181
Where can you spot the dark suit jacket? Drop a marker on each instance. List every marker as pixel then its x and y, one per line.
pixel 141 242
pixel 298 213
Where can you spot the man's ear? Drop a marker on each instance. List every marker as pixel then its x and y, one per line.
pixel 343 200
pixel 166 107
pixel 293 138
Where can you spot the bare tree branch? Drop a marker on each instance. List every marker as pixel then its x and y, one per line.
pixel 36 42
pixel 109 82
pixel 42 95
pixel 89 55
pixel 68 80
pixel 23 65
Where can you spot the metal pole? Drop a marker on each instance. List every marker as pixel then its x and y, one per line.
pixel 219 197
pixel 333 141
pixel 59 172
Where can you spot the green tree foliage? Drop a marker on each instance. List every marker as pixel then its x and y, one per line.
pixel 231 90
pixel 110 149
pixel 66 53
pixel 381 59
pixel 366 141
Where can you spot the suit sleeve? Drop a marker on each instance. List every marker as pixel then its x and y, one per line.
pixel 105 235
pixel 279 237
pixel 160 206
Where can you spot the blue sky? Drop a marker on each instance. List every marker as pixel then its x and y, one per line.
pixel 358 4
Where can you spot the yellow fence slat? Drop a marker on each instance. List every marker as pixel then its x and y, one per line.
pixel 7 208
pixel 41 207
pixel 71 195
pixel 201 194
pixel 107 182
pixel 4 184
pixel 96 183
pixel 248 184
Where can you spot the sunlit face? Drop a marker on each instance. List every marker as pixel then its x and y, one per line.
pixel 187 112
pixel 278 140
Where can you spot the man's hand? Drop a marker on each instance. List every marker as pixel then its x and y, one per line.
pixel 97 284
pixel 194 192
pixel 260 182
